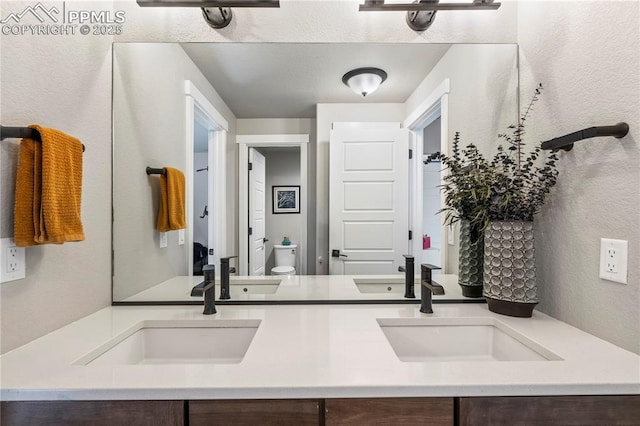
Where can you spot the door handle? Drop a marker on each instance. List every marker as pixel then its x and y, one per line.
pixel 264 240
pixel 336 253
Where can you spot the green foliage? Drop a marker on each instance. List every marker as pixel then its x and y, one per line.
pixel 512 186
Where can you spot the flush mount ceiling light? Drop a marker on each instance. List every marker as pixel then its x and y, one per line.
pixel 364 80
pixel 217 13
pixel 421 13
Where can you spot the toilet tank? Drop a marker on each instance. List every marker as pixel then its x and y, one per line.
pixel 285 255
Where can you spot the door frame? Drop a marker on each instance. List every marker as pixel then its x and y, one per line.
pixel 264 141
pixel 435 105
pixel 198 108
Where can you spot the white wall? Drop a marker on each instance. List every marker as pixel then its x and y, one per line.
pixel 283 169
pixel 62 82
pixel 483 97
pixel 149 130
pixel 587 55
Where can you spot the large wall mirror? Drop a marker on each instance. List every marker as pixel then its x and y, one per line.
pixel 264 134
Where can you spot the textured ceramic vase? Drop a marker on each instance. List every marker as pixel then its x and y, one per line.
pixel 470 261
pixel 509 268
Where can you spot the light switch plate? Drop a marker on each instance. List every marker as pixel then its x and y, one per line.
pixel 12 261
pixel 180 237
pixel 613 260
pixel 451 235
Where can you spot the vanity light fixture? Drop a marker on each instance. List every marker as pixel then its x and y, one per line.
pixel 421 13
pixel 216 13
pixel 364 80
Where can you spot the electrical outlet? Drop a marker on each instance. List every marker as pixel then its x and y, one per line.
pixel 450 235
pixel 12 264
pixel 163 240
pixel 613 260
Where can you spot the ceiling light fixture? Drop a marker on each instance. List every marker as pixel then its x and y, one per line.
pixel 216 13
pixel 421 13
pixel 364 80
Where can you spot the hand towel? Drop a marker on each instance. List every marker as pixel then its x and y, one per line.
pixel 171 213
pixel 48 190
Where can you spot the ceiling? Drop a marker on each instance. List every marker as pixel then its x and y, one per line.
pixel 287 80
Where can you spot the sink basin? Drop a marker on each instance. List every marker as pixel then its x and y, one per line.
pixel 460 339
pixel 385 286
pixel 177 342
pixel 237 288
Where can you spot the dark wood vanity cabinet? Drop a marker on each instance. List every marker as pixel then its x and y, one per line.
pixel 94 413
pixel 549 410
pixel 264 412
pixel 389 411
pixel 463 411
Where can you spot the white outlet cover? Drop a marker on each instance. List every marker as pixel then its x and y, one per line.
pixel 163 240
pixel 620 258
pixel 16 273
pixel 180 237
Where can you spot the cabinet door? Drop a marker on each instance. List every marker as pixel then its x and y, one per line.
pixel 550 410
pixel 255 412
pixel 94 413
pixel 389 411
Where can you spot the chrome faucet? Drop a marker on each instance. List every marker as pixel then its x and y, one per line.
pixel 428 288
pixel 225 271
pixel 208 289
pixel 408 270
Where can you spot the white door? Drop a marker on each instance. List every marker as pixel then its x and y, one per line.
pixel 368 198
pixel 256 212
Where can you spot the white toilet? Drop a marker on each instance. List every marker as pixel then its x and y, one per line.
pixel 285 260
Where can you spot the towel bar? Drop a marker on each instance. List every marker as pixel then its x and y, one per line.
pixel 152 171
pixel 20 133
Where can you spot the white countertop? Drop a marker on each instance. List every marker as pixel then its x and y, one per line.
pixel 313 351
pixel 301 288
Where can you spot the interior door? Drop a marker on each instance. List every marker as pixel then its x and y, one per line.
pixel 368 199
pixel 256 212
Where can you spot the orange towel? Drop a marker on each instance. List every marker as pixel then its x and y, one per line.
pixel 171 214
pixel 48 190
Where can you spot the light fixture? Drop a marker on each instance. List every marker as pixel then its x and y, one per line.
pixel 364 80
pixel 421 13
pixel 216 13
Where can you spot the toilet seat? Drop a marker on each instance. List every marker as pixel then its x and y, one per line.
pixel 283 270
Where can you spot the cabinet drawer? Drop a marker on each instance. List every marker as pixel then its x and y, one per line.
pixel 390 411
pixel 255 412
pixel 94 413
pixel 550 410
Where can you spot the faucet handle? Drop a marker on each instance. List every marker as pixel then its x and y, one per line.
pixel 209 272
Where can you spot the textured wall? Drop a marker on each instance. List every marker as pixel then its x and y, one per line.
pixel 149 129
pixel 591 75
pixel 62 82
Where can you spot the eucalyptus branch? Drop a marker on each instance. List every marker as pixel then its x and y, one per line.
pixel 511 186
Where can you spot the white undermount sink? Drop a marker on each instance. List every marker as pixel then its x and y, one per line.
pixel 385 286
pixel 238 287
pixel 177 342
pixel 460 339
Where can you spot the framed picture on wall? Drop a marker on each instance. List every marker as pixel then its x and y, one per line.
pixel 286 199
